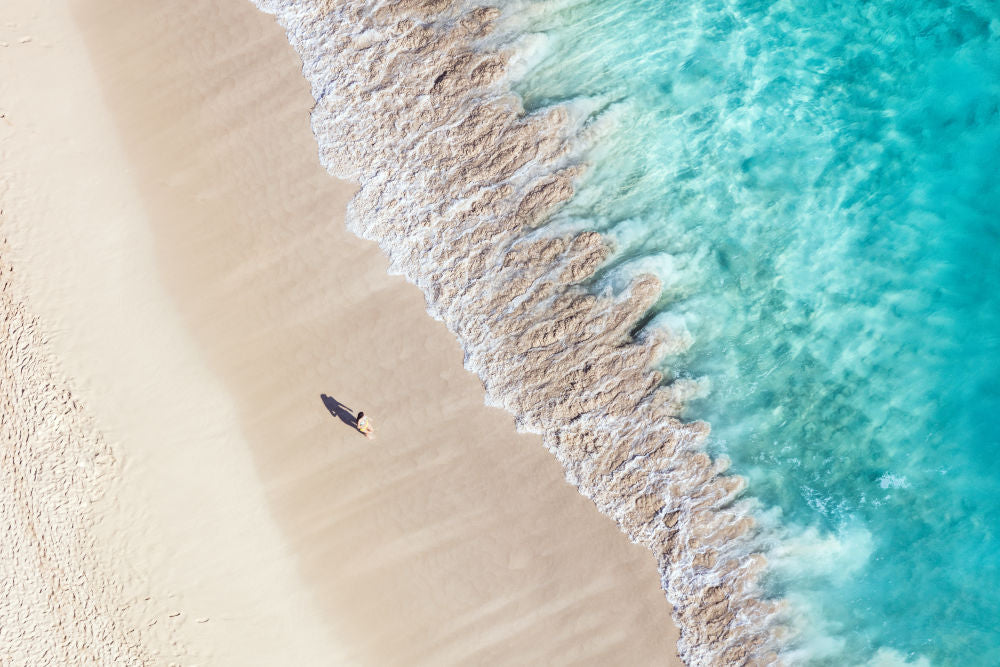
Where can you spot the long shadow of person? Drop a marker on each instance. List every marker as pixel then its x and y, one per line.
pixel 339 410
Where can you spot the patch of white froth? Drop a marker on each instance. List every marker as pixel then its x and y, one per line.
pixel 527 50
pixel 891 481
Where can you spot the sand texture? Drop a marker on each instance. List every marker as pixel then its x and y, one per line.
pixel 186 259
pixel 58 606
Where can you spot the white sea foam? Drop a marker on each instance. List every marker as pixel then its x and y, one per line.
pixel 813 554
pixel 891 481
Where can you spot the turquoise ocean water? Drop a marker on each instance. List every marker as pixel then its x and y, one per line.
pixel 817 185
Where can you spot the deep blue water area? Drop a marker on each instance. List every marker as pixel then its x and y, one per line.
pixel 816 184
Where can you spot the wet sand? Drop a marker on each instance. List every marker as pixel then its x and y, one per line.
pixel 174 231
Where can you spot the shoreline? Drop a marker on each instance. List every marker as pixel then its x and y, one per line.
pixel 458 185
pixel 450 538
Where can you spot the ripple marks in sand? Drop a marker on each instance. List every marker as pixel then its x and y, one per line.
pixel 57 607
pixel 455 181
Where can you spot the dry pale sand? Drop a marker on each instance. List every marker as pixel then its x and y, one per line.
pixel 169 223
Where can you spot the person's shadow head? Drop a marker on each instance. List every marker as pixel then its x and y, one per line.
pixel 339 410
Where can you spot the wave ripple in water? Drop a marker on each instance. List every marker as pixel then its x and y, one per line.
pixel 816 185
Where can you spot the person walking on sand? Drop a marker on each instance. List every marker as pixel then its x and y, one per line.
pixel 365 426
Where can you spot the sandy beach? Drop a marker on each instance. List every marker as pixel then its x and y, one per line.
pixel 197 293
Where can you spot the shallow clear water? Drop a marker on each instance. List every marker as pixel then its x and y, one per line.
pixel 816 184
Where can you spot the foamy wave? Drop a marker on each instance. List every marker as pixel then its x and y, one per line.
pixel 455 182
pixel 891 481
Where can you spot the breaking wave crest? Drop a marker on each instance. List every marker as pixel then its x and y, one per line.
pixel 457 182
